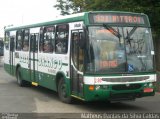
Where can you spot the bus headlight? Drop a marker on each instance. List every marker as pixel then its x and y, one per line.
pixel 150 84
pixel 145 84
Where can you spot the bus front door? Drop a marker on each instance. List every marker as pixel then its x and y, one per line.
pixel 33 58
pixel 77 55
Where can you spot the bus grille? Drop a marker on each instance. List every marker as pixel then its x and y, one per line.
pixel 126 87
pixel 126 79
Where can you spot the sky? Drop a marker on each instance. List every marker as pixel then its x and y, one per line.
pixel 19 12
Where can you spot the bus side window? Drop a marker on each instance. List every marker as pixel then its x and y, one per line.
pixel 25 43
pixel 47 39
pixel 19 39
pixel 6 40
pixel 61 42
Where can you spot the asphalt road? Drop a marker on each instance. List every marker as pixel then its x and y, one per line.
pixel 15 99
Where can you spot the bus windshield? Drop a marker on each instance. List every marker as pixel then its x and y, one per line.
pixel 119 49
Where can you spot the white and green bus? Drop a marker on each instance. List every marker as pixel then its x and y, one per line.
pixel 101 55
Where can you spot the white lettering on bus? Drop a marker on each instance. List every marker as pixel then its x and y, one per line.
pixel 50 63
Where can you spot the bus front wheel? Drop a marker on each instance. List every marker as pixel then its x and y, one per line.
pixel 62 92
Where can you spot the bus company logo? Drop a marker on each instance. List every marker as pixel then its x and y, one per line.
pixel 77 25
pixel 50 63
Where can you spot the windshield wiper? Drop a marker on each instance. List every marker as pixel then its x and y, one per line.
pixel 130 34
pixel 112 30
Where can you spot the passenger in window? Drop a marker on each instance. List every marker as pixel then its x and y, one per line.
pixel 19 46
pixel 48 47
pixel 25 46
pixel 59 47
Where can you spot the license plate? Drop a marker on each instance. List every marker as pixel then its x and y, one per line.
pixel 148 90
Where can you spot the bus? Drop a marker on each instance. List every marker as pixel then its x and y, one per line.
pixel 98 55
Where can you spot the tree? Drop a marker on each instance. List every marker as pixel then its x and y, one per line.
pixel 72 6
pixel 64 6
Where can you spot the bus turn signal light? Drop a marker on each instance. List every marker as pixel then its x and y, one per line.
pixel 91 87
pixel 148 90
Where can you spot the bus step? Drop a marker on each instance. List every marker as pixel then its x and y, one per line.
pixel 34 84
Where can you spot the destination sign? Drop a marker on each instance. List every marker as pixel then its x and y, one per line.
pixel 117 18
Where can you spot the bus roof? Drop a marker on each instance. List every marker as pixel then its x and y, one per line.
pixel 67 19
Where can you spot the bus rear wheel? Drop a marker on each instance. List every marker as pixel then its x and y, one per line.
pixel 62 92
pixel 20 81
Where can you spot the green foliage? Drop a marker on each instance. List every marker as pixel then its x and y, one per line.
pixel 70 6
pixel 64 6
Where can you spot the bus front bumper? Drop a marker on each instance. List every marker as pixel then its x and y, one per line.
pixel 117 92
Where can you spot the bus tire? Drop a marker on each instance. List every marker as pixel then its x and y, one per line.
pixel 62 92
pixel 20 81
